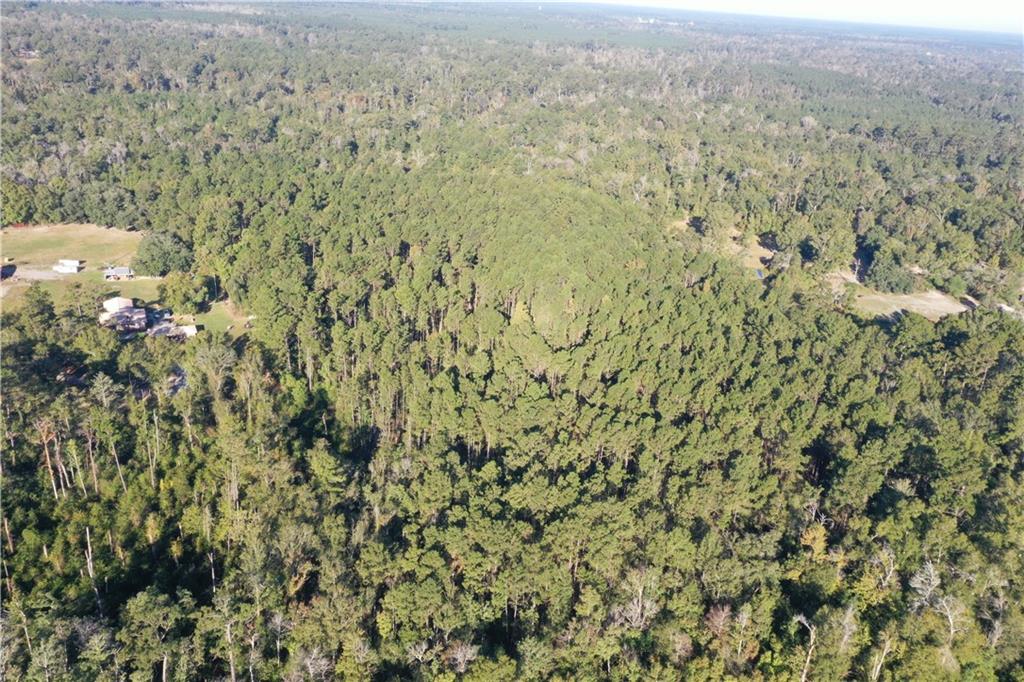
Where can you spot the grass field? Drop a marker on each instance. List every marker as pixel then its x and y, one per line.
pixel 43 245
pixel 933 304
pixel 34 250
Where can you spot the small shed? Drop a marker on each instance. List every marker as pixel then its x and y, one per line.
pixel 113 274
pixel 112 305
pixel 67 266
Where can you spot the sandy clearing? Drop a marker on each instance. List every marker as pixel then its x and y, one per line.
pixel 751 253
pixel 933 304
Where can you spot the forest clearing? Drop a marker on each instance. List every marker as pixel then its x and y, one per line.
pixel 35 248
pixel 750 252
pixel 931 304
pixel 29 252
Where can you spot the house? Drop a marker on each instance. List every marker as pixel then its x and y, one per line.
pixel 121 314
pixel 170 330
pixel 163 328
pixel 67 266
pixel 126 319
pixel 112 273
pixel 112 305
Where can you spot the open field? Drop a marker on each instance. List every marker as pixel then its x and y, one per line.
pixel 36 249
pixel 43 245
pixel 933 304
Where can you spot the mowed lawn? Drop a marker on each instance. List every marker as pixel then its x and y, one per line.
pixel 43 245
pixel 223 317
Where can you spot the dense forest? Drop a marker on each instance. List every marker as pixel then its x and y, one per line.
pixel 505 411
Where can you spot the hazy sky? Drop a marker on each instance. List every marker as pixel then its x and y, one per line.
pixel 981 15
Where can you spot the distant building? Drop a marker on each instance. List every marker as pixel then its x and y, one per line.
pixel 67 266
pixel 112 305
pixel 112 274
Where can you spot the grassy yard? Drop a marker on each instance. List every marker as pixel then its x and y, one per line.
pixel 221 317
pixel 143 289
